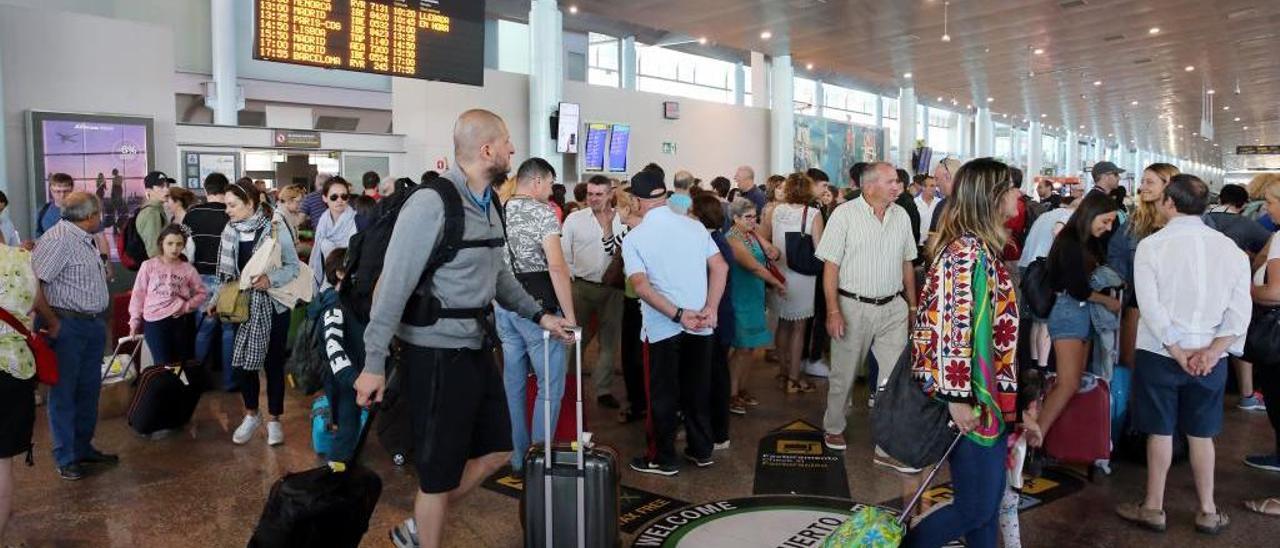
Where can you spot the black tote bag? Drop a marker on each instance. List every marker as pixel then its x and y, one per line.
pixel 801 257
pixel 906 423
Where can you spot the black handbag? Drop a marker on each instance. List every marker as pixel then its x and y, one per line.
pixel 1036 290
pixel 801 257
pixel 1262 343
pixel 906 423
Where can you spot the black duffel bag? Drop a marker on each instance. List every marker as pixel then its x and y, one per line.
pixel 1036 290
pixel 906 423
pixel 1262 343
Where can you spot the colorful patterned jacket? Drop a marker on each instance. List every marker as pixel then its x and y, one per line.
pixel 964 341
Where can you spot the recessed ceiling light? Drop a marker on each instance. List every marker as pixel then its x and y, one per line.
pixel 808 66
pixel 991 99
pixel 1038 51
pixel 1179 126
pixel 1190 68
pixel 1227 107
pixel 702 40
pixel 1153 30
pixel 1111 135
pixel 1081 126
pixel 1097 82
pixel 1195 134
pixel 1246 128
pixel 766 35
pixel 573 9
pixel 1005 115
pixel 1044 115
pixel 1236 119
pixel 906 75
pixel 1134 103
pixel 939 99
pixel 946 38
pixel 1211 92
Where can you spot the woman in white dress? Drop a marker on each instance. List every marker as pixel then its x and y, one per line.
pixel 793 213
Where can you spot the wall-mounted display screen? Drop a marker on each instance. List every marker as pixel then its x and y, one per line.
pixel 567 132
pixel 619 141
pixel 105 155
pixel 429 39
pixel 597 140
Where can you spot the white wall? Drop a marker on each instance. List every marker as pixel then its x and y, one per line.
pixel 57 61
pixel 712 139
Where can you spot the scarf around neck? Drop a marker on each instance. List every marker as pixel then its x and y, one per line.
pixel 253 337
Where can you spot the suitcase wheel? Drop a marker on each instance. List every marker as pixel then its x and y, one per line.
pixel 398 459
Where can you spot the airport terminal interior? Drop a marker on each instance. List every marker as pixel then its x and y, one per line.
pixel 1023 194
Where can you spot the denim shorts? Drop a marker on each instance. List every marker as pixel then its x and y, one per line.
pixel 1166 398
pixel 1069 319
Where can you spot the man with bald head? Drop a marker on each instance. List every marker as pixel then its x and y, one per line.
pixel 745 178
pixel 869 285
pixel 462 432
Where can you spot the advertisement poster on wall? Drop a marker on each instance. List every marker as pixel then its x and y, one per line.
pixel 835 146
pixel 106 155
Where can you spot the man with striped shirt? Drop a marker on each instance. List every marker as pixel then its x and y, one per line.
pixel 74 286
pixel 869 285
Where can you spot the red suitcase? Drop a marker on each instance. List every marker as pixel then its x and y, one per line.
pixel 1082 433
pixel 566 424
pixel 119 317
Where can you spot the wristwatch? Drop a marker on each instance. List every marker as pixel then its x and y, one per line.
pixel 679 314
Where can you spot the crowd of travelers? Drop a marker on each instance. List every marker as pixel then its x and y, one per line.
pixel 682 283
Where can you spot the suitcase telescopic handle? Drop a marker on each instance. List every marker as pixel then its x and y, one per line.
pixel 924 485
pixel 547 439
pixel 133 356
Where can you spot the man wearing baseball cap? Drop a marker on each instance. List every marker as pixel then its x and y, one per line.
pixel 1106 177
pixel 679 275
pixel 150 219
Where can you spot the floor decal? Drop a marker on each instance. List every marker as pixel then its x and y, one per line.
pixel 792 460
pixel 1052 485
pixel 635 506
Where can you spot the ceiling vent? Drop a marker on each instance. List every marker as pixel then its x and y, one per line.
pixel 1113 38
pixel 337 123
pixel 1072 4
pixel 1142 61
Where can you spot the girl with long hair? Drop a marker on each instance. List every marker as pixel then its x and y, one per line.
pixel 1077 251
pixel 963 346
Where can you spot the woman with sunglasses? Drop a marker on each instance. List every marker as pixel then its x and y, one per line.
pixel 336 227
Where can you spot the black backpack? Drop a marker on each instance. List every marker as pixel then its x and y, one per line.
pixel 368 249
pixel 307 363
pixel 133 250
pixel 1036 290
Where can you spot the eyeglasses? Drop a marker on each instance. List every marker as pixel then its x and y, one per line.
pixel 336 197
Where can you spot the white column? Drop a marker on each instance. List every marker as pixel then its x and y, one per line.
pixel 782 115
pixel 966 134
pixel 819 98
pixel 627 63
pixel 226 99
pixel 985 134
pixel 759 80
pixel 1071 165
pixel 739 84
pixel 546 77
pixel 1035 151
pixel 906 125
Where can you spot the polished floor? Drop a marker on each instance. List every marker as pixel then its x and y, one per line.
pixel 198 489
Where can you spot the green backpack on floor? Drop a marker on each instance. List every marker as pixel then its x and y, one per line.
pixel 868 527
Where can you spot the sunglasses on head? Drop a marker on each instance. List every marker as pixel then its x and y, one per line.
pixel 336 197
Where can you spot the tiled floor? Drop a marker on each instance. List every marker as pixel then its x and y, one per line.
pixel 197 489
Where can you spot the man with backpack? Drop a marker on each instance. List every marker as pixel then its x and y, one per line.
pixel 437 307
pixel 206 221
pixel 151 219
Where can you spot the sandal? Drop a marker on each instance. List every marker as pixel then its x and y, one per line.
pixel 1267 507
pixel 802 386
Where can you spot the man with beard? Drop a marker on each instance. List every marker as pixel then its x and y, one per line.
pixel 462 433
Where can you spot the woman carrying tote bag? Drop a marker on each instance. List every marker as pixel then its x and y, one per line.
pixel 260 340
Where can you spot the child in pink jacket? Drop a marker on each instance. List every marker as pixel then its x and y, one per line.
pixel 165 294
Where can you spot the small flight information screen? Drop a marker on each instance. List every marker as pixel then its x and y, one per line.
pixel 429 39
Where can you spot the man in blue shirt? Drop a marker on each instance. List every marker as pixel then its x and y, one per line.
pixel 679 275
pixel 60 185
pixel 745 178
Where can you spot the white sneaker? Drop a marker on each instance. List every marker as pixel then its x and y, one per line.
pixel 275 433
pixel 817 368
pixel 245 431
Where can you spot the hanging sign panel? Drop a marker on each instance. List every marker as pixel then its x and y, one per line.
pixel 429 39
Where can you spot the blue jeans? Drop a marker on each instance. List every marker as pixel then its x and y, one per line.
pixel 521 353
pixel 206 329
pixel 978 479
pixel 73 402
pixel 169 339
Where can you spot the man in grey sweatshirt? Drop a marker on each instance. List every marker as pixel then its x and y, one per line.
pixel 461 426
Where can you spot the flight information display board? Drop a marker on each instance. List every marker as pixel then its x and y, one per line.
pixel 428 39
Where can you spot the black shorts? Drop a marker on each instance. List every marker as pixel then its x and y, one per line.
pixel 17 415
pixel 459 409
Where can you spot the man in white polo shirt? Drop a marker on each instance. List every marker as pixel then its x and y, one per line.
pixel 869 285
pixel 591 239
pixel 679 275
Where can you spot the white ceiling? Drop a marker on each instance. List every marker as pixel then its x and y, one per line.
pixel 991 54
